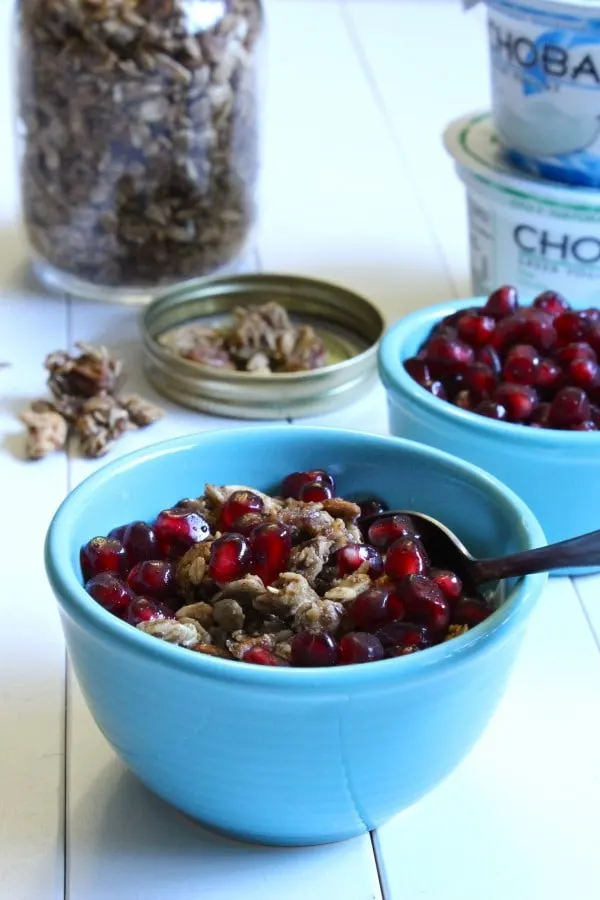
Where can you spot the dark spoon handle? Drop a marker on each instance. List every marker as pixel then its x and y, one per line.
pixel 578 551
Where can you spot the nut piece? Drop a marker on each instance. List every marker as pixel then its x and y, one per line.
pixel 199 612
pixel 191 570
pixel 229 614
pixel 183 633
pixel 46 433
pixel 348 588
pixel 141 412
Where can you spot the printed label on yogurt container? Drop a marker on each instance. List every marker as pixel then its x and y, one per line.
pixel 545 69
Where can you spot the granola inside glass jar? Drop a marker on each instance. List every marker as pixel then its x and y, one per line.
pixel 139 140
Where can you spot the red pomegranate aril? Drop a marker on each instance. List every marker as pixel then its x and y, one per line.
pixel 406 556
pixel 102 555
pixel 571 327
pixel 527 326
pixel 293 484
pixel 153 577
pixel 476 330
pixel 583 373
pixel 359 647
pixel 480 378
pixel 595 415
pixel 424 602
pixel 240 503
pixel 564 356
pixel 315 493
pixel 181 526
pixel 116 534
pixel 270 545
pixel 521 364
pixel 353 556
pixel 376 607
pixel 552 303
pixel 448 582
pixel 453 355
pixel 371 506
pixel 519 400
pixel 470 611
pixel 491 410
pixel 418 370
pixel 588 425
pixel 311 650
pixel 140 542
pixel 540 416
pixel 230 558
pixel 384 532
pixel 548 376
pixel 502 302
pixel 260 656
pixel 143 609
pixel 570 407
pixel 489 357
pixel 593 338
pixel 110 592
pixel 402 638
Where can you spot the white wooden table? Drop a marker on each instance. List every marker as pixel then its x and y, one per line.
pixel 357 189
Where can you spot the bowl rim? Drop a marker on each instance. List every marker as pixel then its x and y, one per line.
pixel 75 603
pixel 395 378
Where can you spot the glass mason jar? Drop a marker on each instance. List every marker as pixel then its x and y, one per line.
pixel 138 128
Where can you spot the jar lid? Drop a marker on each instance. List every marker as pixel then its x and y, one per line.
pixel 349 326
pixel 475 146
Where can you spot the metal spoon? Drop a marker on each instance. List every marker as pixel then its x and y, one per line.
pixel 451 553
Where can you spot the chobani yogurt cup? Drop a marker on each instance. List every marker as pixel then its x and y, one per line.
pixel 545 75
pixel 526 231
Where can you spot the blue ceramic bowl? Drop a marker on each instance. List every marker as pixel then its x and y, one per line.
pixel 556 473
pixel 290 756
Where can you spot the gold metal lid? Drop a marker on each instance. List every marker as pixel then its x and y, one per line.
pixel 349 326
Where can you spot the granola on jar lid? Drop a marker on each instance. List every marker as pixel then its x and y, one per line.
pixel 302 579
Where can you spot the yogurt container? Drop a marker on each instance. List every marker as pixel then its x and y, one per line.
pixel 545 76
pixel 525 231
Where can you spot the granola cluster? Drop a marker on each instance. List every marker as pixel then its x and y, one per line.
pixel 260 339
pixel 86 402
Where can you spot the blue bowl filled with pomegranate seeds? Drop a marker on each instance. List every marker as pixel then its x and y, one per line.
pixel 510 386
pixel 262 655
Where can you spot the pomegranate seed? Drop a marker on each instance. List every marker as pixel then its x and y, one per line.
pixel 593 338
pixel 480 378
pixel 548 375
pixel 270 545
pixel 102 555
pixel 570 407
pixel 371 506
pixel 230 558
pixel 453 355
pixel 246 524
pixel 315 493
pixel 179 529
pixel 418 370
pixel 309 650
pixel 140 542
pixel 571 327
pixel 360 647
pixel 424 602
pixel 528 326
pixel 588 425
pixel 153 577
pixel 595 415
pixel 110 592
pixel 406 556
pixel 117 533
pixel 143 609
pixel 260 656
pixel 448 582
pixel 491 410
pixel 519 400
pixel 375 607
pixel 583 373
pixel 384 532
pixel 189 503
pixel 564 356
pixel 591 315
pixel 552 303
pixel 476 330
pixel 453 385
pixel 501 303
pixel 489 357
pixel 470 611
pixel 239 504
pixel 293 484
pixel 402 638
pixel 353 556
pixel 540 417
pixel 521 365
